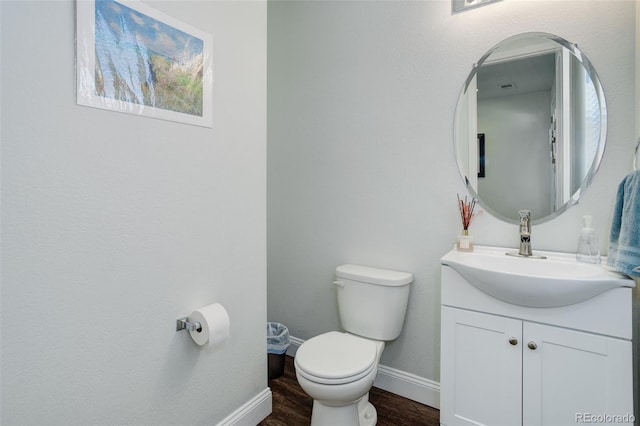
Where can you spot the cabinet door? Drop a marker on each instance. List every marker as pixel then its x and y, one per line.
pixel 481 370
pixel 569 375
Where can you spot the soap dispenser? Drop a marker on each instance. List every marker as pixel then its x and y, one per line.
pixel 588 244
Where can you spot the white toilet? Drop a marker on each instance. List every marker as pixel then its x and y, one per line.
pixel 337 369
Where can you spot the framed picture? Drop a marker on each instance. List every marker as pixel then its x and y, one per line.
pixel 134 59
pixel 481 164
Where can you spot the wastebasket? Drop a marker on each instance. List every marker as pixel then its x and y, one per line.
pixel 277 344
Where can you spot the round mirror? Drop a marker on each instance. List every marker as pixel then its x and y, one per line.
pixel 530 127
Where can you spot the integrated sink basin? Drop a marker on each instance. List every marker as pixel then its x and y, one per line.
pixel 558 280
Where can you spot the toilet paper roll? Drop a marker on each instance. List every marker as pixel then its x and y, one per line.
pixel 214 322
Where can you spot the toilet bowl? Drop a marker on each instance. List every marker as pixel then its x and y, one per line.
pixel 337 370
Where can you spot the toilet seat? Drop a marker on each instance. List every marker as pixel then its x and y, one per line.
pixel 335 358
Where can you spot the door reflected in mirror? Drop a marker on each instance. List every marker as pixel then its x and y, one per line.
pixel 530 127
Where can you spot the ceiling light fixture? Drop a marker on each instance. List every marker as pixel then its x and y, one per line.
pixel 463 5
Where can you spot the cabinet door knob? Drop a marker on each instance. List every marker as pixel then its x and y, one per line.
pixel 513 341
pixel 532 345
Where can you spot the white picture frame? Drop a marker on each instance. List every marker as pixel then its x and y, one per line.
pixel 134 59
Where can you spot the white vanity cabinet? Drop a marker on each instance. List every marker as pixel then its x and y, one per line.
pixel 481 372
pixel 503 364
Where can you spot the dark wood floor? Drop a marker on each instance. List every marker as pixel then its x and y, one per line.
pixel 292 407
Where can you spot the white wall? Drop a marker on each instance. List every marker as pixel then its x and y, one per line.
pixel 360 157
pixel 115 225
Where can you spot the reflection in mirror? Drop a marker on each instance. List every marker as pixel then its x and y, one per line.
pixel 530 127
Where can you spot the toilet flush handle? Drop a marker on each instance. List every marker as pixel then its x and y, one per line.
pixel 339 283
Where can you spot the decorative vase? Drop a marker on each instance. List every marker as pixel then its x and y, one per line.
pixel 465 241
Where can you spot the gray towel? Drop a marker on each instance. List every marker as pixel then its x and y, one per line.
pixel 624 240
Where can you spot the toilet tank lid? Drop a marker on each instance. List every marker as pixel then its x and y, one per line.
pixel 371 275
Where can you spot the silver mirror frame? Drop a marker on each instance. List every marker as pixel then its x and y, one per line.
pixel 590 70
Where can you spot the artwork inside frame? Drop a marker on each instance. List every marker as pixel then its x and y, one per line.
pixel 135 59
pixel 481 157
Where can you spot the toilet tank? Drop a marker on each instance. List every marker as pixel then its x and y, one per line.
pixel 372 302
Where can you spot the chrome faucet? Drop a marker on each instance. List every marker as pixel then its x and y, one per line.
pixel 525 233
pixel 525 237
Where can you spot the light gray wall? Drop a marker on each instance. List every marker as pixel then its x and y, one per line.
pixel 360 156
pixel 115 225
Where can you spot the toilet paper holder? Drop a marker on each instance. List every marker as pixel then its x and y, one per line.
pixel 184 323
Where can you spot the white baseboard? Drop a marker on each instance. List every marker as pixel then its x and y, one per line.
pixel 295 344
pixel 252 412
pixel 396 381
pixel 408 385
